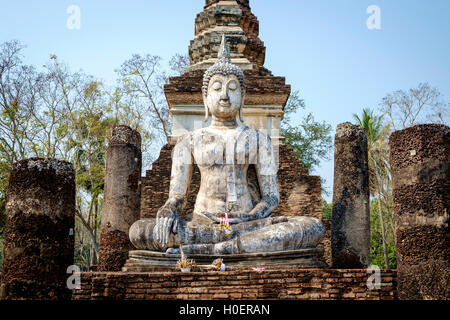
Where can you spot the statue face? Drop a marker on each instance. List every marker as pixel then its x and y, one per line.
pixel 224 97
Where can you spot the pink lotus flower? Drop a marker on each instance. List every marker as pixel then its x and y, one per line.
pixel 225 220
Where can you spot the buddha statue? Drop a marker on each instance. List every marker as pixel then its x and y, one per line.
pixel 227 217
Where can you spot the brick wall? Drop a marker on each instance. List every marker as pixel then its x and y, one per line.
pixel 155 185
pixel 326 243
pixel 300 193
pixel 313 284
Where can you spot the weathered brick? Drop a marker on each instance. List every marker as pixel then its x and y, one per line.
pixel 302 284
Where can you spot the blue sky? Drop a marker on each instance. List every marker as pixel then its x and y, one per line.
pixel 322 47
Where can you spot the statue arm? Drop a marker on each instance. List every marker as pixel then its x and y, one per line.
pixel 270 196
pixel 167 216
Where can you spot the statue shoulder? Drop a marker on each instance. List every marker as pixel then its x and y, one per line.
pixel 183 148
pixel 184 140
pixel 267 163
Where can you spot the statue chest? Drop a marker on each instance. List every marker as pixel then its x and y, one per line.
pixel 219 150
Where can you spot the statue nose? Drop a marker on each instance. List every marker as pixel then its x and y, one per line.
pixel 224 95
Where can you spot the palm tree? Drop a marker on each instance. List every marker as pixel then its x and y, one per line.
pixel 379 171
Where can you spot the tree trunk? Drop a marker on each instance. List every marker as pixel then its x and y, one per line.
pixel 383 234
pixel 389 213
pixel 380 212
pixel 94 243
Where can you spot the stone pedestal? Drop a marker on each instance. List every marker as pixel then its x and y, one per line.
pixel 121 206
pixel 420 167
pixel 39 241
pixel 350 235
pixel 151 261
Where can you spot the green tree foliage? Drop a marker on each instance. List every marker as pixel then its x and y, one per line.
pixel 4 176
pixel 1 251
pixel 57 113
pixel 377 133
pixel 311 140
pixel 89 130
pixel 376 239
pixel 143 81
pixel 379 179
pixel 15 92
pixel 326 210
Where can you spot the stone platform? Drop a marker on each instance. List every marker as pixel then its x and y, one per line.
pixel 150 261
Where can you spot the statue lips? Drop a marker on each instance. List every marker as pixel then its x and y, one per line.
pixel 225 109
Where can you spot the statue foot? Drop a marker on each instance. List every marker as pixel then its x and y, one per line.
pixel 200 248
pixel 173 251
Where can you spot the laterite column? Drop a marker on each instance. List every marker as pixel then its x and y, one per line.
pixel 39 241
pixel 420 167
pixel 350 226
pixel 121 205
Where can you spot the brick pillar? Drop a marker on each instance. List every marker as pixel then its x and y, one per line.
pixel 244 3
pixel 420 168
pixel 39 241
pixel 350 235
pixel 121 205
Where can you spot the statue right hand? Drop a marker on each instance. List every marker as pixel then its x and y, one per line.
pixel 166 221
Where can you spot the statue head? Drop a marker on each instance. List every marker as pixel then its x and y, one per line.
pixel 223 87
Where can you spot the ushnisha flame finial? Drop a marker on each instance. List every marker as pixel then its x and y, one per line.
pixel 224 52
pixel 223 66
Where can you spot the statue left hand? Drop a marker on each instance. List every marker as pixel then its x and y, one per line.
pixel 166 221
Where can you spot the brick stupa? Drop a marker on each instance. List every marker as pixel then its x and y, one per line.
pixel 266 95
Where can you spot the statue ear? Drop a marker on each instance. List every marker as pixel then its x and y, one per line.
pixel 206 113
pixel 206 106
pixel 241 119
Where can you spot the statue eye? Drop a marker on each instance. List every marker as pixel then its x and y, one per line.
pixel 232 85
pixel 217 85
